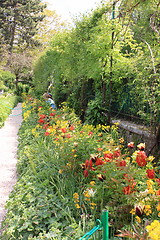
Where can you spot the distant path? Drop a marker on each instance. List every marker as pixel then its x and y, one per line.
pixel 8 158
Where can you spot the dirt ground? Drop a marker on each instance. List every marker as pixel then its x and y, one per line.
pixel 8 156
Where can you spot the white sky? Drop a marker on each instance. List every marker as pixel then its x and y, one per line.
pixel 71 8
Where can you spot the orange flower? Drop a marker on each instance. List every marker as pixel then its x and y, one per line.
pixel 99 149
pixel 158 192
pixel 71 128
pixel 127 190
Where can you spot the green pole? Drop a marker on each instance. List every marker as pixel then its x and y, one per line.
pixel 105 225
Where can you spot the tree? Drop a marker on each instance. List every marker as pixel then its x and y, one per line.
pixel 48 27
pixel 18 23
pixel 21 66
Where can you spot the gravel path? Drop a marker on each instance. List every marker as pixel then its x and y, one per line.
pixel 8 160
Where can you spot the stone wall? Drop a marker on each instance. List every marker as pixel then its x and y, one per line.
pixel 132 132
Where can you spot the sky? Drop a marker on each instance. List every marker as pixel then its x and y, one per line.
pixel 68 9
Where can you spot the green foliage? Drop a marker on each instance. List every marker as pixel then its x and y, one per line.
pixel 95 113
pixel 19 22
pixel 8 79
pixel 119 56
pixel 7 102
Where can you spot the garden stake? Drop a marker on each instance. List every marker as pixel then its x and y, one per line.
pixel 105 225
pixel 99 224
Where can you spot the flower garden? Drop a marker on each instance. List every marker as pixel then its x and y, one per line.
pixel 70 172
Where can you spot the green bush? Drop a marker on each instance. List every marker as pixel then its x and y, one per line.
pixel 7 102
pixel 8 79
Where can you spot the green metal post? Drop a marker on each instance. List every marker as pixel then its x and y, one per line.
pixel 105 225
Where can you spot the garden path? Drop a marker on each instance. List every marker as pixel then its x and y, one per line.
pixel 8 158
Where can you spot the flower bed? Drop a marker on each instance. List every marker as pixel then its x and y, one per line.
pixel 70 172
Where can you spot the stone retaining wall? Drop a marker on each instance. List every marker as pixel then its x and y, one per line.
pixel 132 132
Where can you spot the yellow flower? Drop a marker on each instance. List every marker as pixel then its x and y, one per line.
pixel 158 207
pixel 76 197
pixel 86 194
pixel 60 171
pixel 105 127
pixel 147 210
pixel 141 146
pixel 151 158
pixel 154 230
pixel 92 183
pixel 92 205
pixel 121 140
pixel 87 199
pixel 77 205
pixel 69 165
pixel 138 219
pixel 133 211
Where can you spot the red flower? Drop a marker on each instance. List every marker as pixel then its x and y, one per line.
pixel 68 136
pixel 131 145
pixel 41 120
pixel 52 114
pixel 121 163
pixel 116 153
pixel 85 173
pixel 127 190
pixel 45 126
pixel 42 116
pixel 90 133
pixel 88 164
pixel 99 161
pixel 64 130
pixel 46 133
pixel 71 128
pixel 141 159
pixel 108 155
pixel 150 173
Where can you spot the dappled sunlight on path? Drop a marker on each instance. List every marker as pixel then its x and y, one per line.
pixel 8 158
